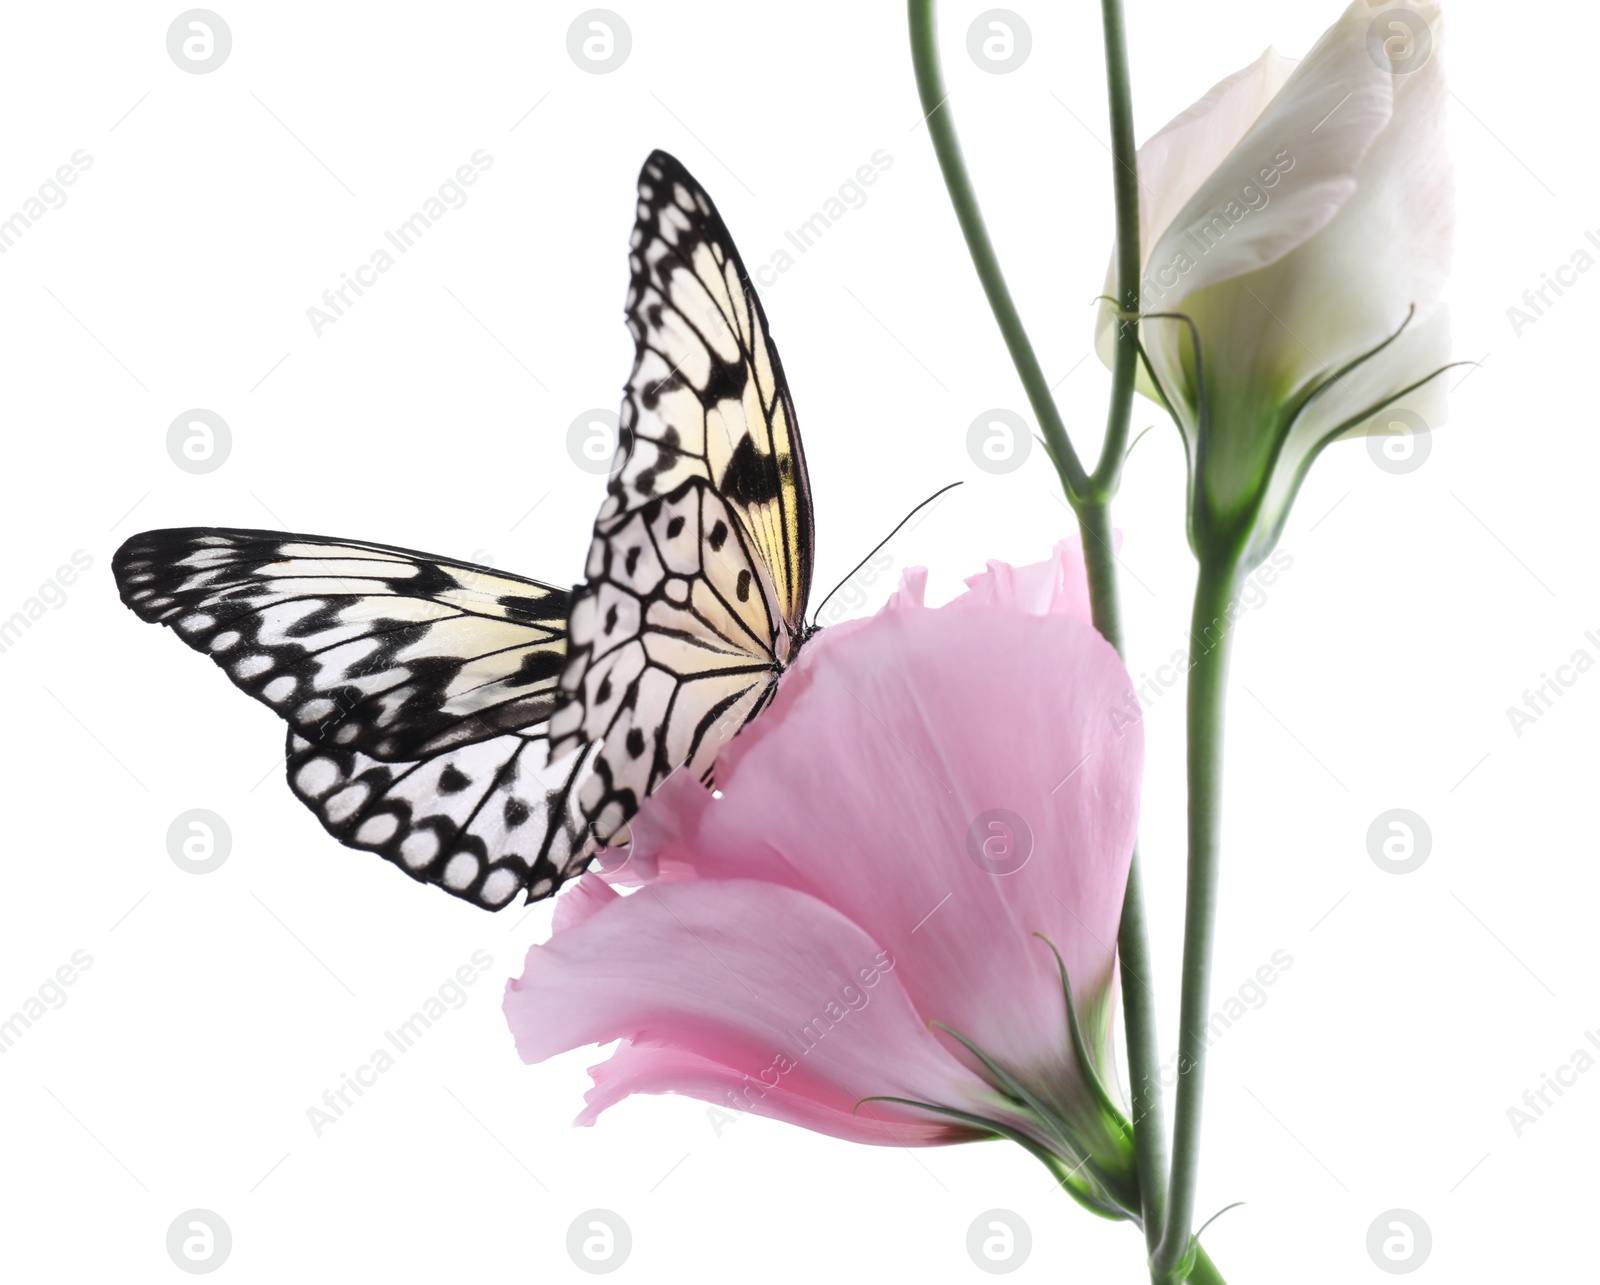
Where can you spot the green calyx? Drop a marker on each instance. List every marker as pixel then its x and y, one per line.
pixel 1091 1157
pixel 1230 520
pixel 1196 1267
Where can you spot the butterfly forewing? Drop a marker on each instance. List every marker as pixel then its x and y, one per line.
pixel 400 675
pixel 395 653
pixel 700 567
pixel 707 396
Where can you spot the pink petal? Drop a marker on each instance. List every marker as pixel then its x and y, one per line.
pixel 590 894
pixel 645 1068
pixel 1059 585
pixel 913 588
pixel 749 995
pixel 871 781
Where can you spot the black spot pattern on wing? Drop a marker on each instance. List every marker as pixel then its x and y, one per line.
pixel 707 396
pixel 700 566
pixel 458 820
pixel 670 652
pixel 384 650
pixel 749 479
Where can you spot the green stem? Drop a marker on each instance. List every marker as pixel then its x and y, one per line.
pixel 1089 497
pixel 1125 187
pixel 947 147
pixel 1210 642
pixel 1133 937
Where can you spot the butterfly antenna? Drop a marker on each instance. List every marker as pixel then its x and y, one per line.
pixel 879 545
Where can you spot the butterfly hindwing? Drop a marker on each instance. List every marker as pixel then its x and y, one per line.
pixel 670 649
pixel 368 647
pixel 707 396
pixel 481 820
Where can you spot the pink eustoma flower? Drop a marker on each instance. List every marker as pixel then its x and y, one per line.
pixel 858 932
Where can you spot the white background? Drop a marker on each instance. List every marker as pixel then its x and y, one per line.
pixel 434 414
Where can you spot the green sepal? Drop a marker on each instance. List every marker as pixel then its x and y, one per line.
pixel 1024 1097
pixel 1066 1180
pixel 1080 1047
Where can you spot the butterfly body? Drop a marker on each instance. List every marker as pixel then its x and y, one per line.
pixel 488 733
